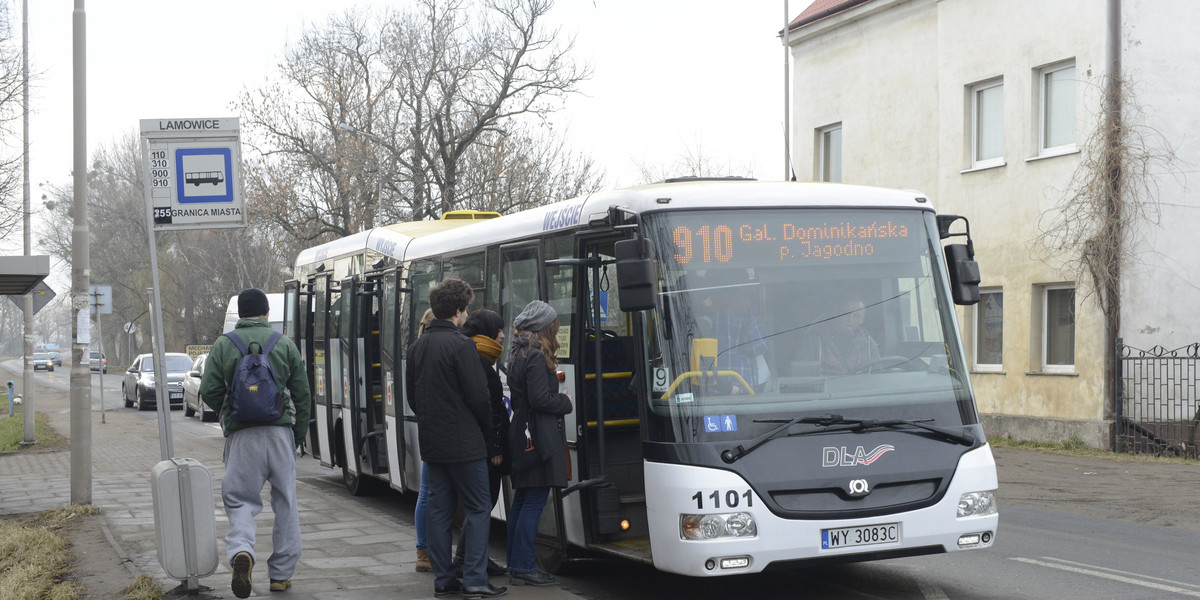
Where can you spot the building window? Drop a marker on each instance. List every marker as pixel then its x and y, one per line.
pixel 989 331
pixel 829 153
pixel 987 124
pixel 1058 329
pixel 1057 107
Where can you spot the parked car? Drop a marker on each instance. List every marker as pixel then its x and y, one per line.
pixel 41 360
pixel 139 386
pixel 192 403
pixel 56 357
pixel 98 362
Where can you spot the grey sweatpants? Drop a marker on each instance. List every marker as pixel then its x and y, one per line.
pixel 253 457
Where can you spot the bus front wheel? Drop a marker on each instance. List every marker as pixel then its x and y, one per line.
pixel 550 556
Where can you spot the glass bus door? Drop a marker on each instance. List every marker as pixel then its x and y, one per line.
pixel 610 448
pixel 391 311
pixel 369 408
pixel 358 438
pixel 318 332
pixel 297 316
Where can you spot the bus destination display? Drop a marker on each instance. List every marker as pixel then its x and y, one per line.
pixel 770 241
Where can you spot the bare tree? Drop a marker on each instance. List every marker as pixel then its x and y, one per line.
pixel 473 73
pixel 389 118
pixel 1112 196
pixel 11 111
pixel 523 169
pixel 692 163
pixel 312 180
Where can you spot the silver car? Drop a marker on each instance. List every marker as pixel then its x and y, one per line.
pixel 98 362
pixel 139 385
pixel 42 360
pixel 192 403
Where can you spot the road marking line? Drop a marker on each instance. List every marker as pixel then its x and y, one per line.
pixel 1112 574
pixel 1130 573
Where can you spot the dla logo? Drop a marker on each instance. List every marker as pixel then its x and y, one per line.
pixel 842 457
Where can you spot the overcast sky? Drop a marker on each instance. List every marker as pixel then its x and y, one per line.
pixel 671 77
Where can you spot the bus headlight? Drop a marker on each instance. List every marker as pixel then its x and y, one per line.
pixel 977 504
pixel 713 526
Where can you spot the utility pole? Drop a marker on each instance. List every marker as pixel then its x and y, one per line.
pixel 81 379
pixel 787 108
pixel 27 373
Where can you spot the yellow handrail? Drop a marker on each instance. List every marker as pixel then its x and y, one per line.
pixel 614 375
pixel 733 374
pixel 614 423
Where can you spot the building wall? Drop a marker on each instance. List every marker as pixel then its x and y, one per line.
pixel 864 72
pixel 1161 291
pixel 1012 39
pixel 896 74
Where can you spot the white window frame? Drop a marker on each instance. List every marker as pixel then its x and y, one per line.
pixel 1044 110
pixel 975 90
pixel 823 138
pixel 977 334
pixel 1046 366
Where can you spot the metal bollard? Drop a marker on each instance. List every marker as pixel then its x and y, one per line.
pixel 10 398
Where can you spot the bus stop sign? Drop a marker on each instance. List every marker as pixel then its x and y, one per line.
pixel 194 173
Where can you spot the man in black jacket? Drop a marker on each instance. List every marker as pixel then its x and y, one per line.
pixel 447 390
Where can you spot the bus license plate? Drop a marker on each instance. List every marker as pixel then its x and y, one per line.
pixel 845 537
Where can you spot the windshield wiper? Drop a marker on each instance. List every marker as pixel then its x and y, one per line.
pixel 731 455
pixel 961 437
pixel 834 423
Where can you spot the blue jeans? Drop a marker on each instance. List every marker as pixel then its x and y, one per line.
pixel 523 517
pixel 422 509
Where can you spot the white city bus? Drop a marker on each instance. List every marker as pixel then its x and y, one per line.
pixel 682 454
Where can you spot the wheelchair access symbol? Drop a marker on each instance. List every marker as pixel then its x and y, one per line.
pixel 720 423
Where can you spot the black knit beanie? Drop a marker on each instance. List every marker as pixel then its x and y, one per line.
pixel 253 303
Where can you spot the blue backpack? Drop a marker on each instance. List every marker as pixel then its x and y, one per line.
pixel 253 395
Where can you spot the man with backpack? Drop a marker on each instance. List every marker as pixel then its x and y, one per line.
pixel 255 380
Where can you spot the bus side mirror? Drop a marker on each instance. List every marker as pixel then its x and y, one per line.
pixel 960 261
pixel 964 274
pixel 635 274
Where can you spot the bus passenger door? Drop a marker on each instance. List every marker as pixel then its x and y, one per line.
pixel 319 330
pixel 339 375
pixel 361 440
pixel 295 316
pixel 610 448
pixel 391 303
pixel 521 281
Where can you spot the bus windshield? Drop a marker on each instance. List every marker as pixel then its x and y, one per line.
pixel 765 315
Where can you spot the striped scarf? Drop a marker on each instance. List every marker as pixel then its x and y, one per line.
pixel 487 347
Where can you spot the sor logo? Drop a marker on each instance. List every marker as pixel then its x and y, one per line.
pixel 842 457
pixel 858 487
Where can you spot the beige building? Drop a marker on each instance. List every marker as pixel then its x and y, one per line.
pixel 991 107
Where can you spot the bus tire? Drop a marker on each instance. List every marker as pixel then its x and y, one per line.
pixel 355 483
pixel 550 556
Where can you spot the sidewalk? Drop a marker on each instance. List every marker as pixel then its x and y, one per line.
pixel 351 550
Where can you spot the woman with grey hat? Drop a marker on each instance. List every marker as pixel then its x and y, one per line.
pixel 537 426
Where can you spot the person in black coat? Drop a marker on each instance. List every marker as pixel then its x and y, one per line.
pixel 537 429
pixel 447 390
pixel 486 328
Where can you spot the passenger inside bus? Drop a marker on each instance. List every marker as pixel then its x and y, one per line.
pixel 839 343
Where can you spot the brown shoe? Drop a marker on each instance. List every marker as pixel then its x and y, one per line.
pixel 423 565
pixel 241 564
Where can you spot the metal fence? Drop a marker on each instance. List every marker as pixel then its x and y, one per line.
pixel 1159 403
